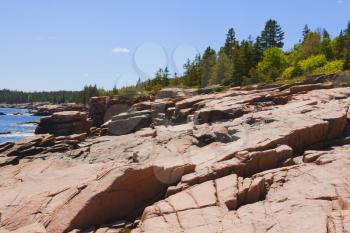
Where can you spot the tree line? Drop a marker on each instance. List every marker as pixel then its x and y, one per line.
pixel 236 63
pixel 83 96
pixel 260 60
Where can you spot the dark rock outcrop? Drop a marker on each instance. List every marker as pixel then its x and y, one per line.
pixel 103 108
pixel 64 123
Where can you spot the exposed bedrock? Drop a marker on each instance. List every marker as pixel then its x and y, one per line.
pixel 62 197
pixel 281 165
pixel 306 197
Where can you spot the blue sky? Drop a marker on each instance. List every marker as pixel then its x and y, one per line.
pixel 65 44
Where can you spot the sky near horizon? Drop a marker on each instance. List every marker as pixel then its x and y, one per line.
pixel 65 44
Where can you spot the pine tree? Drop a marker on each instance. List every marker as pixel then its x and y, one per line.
pixel 306 31
pixel 166 76
pixel 325 34
pixel 326 47
pixel 347 30
pixel 230 43
pixel 206 65
pixel 340 44
pixel 139 82
pixel 271 36
pixel 309 47
pixel 346 65
pixel 192 77
pixel 115 90
pixel 222 71
pixel 245 58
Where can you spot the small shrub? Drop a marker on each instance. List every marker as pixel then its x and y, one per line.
pixel 292 71
pixel 273 63
pixel 310 64
pixel 330 67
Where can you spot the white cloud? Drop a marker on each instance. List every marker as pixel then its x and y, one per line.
pixel 120 50
pixel 85 75
pixel 340 2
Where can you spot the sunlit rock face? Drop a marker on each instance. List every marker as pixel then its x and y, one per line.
pixel 267 160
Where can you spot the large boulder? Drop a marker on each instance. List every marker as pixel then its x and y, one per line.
pixel 126 123
pixel 103 108
pixel 64 123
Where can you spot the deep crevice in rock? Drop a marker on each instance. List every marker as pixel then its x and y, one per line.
pixel 127 197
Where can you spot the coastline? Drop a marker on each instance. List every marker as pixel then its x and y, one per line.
pixel 17 124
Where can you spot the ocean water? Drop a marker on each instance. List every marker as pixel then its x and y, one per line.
pixel 11 124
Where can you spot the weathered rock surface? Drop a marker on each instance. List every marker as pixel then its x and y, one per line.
pixel 63 197
pixel 126 123
pixel 306 197
pixel 267 160
pixel 49 109
pixel 64 123
pixel 40 146
pixel 175 93
pixel 103 108
pixel 310 87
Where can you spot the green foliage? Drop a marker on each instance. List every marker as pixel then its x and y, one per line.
pixel 161 80
pixel 231 43
pixel 222 71
pixel 326 48
pixel 313 62
pixel 245 58
pixel 309 47
pixel 330 67
pixel 206 65
pixel 293 80
pixel 292 71
pixel 13 97
pixel 346 65
pixel 306 31
pixel 192 73
pixel 271 36
pixel 273 63
pixel 341 44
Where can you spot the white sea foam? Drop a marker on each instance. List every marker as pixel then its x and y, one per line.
pixel 16 134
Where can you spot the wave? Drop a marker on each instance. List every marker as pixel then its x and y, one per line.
pixel 17 134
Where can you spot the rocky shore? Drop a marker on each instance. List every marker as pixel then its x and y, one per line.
pixel 46 109
pixel 273 158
